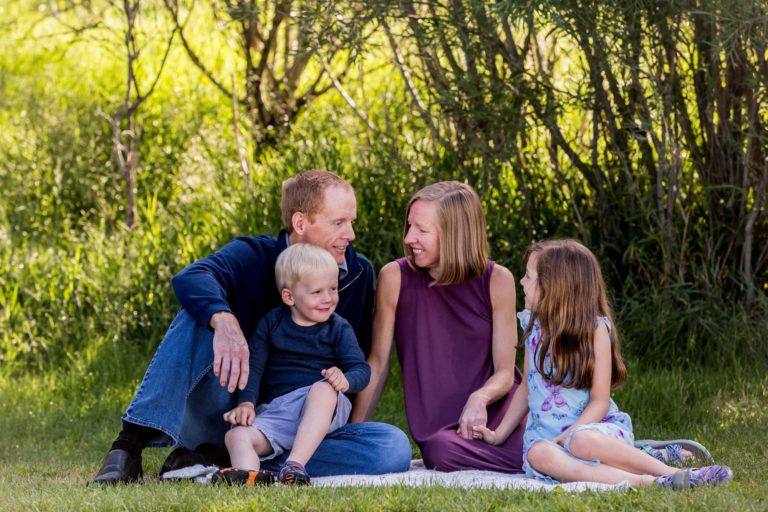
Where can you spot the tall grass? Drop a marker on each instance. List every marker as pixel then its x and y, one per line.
pixel 74 280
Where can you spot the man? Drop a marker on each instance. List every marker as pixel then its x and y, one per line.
pixel 203 359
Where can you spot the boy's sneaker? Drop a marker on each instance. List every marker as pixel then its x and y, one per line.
pixel 234 476
pixel 710 475
pixel 293 473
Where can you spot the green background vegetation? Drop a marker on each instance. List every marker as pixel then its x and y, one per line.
pixel 637 127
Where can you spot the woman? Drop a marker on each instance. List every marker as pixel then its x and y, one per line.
pixel 452 313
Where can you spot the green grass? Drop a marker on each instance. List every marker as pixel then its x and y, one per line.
pixel 57 426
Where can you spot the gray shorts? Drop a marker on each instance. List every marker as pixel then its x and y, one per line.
pixel 279 419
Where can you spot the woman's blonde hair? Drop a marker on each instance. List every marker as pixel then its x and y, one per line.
pixel 572 294
pixel 463 241
pixel 300 260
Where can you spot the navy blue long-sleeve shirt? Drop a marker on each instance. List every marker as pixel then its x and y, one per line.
pixel 285 356
pixel 240 279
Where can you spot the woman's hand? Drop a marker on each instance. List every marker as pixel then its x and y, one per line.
pixel 474 415
pixel 242 415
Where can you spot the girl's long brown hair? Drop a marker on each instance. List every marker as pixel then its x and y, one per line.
pixel 572 295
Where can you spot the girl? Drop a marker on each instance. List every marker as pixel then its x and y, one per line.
pixel 574 430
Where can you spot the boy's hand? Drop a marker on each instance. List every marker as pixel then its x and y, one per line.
pixel 336 379
pixel 486 434
pixel 242 415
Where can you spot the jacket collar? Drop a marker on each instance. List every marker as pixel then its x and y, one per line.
pixel 353 267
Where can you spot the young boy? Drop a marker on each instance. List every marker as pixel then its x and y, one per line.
pixel 295 356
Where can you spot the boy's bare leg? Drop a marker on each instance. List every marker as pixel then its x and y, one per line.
pixel 245 445
pixel 318 414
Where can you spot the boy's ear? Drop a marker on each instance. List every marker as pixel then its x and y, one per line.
pixel 287 297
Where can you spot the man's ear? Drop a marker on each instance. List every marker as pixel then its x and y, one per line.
pixel 299 222
pixel 287 297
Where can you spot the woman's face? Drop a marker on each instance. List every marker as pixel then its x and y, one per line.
pixel 530 282
pixel 422 235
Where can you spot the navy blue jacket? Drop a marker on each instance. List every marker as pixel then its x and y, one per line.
pixel 240 279
pixel 285 356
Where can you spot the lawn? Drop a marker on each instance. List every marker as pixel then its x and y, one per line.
pixel 56 427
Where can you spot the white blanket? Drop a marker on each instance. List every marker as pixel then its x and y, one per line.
pixel 419 476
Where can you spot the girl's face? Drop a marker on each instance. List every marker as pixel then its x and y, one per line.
pixel 422 235
pixel 530 282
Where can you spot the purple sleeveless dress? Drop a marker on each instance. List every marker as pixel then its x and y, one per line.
pixel 444 345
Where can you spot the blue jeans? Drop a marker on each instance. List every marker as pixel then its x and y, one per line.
pixel 182 399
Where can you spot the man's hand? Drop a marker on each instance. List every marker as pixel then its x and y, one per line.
pixel 243 415
pixel 336 379
pixel 230 351
pixel 474 415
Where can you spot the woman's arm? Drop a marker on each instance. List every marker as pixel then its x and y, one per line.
pixel 503 347
pixel 600 392
pixel 514 415
pixel 381 342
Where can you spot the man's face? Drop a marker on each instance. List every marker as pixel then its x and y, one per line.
pixel 331 227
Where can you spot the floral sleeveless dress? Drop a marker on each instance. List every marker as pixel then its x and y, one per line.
pixel 552 409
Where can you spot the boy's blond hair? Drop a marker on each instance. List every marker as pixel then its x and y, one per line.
pixel 300 260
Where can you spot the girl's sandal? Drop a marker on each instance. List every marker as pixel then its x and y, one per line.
pixel 678 452
pixel 710 475
pixel 678 481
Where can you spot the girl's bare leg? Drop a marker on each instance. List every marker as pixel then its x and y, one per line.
pixel 589 445
pixel 551 460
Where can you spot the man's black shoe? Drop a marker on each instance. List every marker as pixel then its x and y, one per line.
pixel 119 466
pixel 205 454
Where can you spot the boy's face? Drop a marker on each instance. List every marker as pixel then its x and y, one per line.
pixel 313 298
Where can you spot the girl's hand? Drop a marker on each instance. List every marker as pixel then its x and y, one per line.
pixel 486 434
pixel 242 415
pixel 474 415
pixel 561 438
pixel 336 379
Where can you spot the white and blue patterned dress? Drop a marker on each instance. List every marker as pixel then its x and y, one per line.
pixel 552 409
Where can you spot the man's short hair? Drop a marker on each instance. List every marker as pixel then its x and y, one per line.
pixel 463 241
pixel 305 193
pixel 300 260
